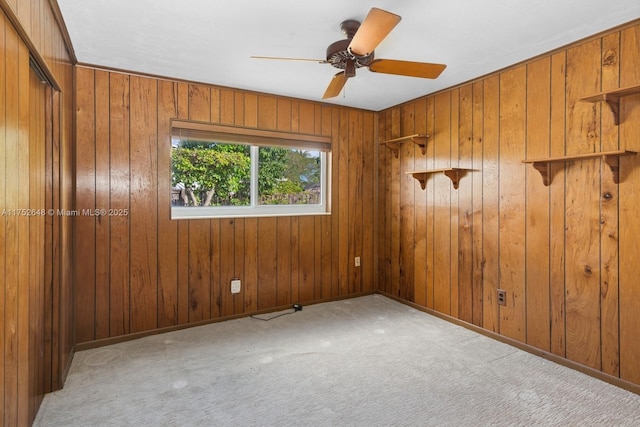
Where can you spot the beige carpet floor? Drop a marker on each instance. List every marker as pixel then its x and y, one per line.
pixel 368 361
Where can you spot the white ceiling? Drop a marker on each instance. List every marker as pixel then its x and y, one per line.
pixel 211 41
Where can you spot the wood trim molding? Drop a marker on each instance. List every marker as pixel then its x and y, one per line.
pixel 24 36
pixel 55 8
pixel 124 338
pixel 194 128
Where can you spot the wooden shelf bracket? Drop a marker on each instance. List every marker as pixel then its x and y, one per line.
pixel 611 158
pixel 614 166
pixel 612 99
pixel 614 105
pixel 418 139
pixel 545 171
pixel 453 173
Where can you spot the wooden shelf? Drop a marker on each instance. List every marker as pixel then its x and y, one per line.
pixel 453 173
pixel 611 158
pixel 612 98
pixel 418 139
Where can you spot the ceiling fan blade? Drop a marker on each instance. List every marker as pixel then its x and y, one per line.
pixel 375 27
pixel 279 58
pixel 407 68
pixel 336 85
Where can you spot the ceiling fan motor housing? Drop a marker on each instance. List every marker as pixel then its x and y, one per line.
pixel 339 55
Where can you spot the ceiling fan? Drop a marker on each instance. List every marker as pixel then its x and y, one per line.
pixel 357 51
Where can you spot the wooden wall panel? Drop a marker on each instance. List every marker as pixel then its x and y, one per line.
pixel 407 153
pixel 629 201
pixel 285 249
pixel 442 205
pixel 335 201
pixel 464 250
pixel 238 270
pixel 251 265
pixel 477 258
pixel 102 194
pixel 369 149
pixel 582 238
pixel 304 252
pixel 295 257
pixel 420 223
pixel 355 197
pixel 85 199
pixel 214 266
pixel 36 168
pixel 267 261
pixel 167 229
pixel 221 278
pixel 565 253
pixel 143 214
pixel 490 203
pixel 166 273
pixel 455 204
pixel 4 248
pixel 317 259
pixel 395 205
pixel 10 235
pixel 36 335
pixel 430 194
pixel 537 206
pixel 557 206
pixel 382 192
pixel 512 202
pixel 119 171
pixel 341 210
pixel 24 352
pixel 609 223
pixel 51 243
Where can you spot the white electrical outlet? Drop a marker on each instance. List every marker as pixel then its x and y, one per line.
pixel 357 261
pixel 235 286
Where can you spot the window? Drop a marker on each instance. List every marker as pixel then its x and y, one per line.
pixel 225 171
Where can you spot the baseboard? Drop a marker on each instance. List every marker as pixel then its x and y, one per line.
pixel 618 382
pixel 123 338
pixel 67 367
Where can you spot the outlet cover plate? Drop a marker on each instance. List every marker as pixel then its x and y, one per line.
pixel 235 286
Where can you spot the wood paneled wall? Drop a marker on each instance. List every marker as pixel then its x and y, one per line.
pixel 145 271
pixel 566 254
pixel 35 173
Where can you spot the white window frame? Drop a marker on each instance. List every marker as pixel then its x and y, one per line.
pixel 256 138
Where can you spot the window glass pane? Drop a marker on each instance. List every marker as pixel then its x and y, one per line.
pixel 288 176
pixel 207 173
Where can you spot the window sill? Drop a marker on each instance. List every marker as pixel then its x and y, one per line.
pixel 206 213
